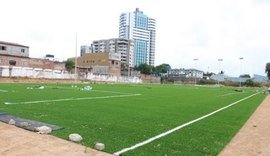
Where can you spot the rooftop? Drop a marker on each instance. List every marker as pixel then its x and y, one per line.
pixel 13 44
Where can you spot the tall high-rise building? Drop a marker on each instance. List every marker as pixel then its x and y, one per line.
pixel 85 49
pixel 142 29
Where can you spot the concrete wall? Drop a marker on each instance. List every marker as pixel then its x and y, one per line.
pixel 25 72
pixel 150 79
pixel 11 71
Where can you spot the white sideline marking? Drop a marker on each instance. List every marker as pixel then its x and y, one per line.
pixel 70 99
pixel 3 90
pixel 179 127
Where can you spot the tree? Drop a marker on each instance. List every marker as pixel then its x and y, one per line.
pixel 124 66
pixel 267 70
pixel 245 76
pixel 163 68
pixel 69 64
pixel 222 72
pixel 145 68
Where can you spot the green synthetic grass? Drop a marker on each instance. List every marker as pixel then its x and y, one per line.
pixel 121 122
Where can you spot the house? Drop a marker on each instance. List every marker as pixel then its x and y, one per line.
pixel 15 62
pixel 100 63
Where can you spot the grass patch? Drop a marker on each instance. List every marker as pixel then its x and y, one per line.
pixel 121 122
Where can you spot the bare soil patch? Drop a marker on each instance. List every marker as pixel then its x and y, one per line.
pixel 17 141
pixel 254 137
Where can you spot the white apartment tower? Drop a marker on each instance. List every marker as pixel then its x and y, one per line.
pixel 142 29
pixel 85 49
pixel 122 46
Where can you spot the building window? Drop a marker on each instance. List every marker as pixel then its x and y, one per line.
pixel 3 48
pixel 22 50
pixel 12 62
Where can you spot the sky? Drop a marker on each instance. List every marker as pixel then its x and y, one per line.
pixel 190 33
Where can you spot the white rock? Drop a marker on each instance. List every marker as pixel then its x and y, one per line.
pixel 24 124
pixel 100 146
pixel 11 122
pixel 44 130
pixel 87 88
pixel 41 87
pixel 75 137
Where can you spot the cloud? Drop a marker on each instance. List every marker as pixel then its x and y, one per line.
pixel 207 29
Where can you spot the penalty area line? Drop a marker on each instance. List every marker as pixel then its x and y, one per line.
pixel 71 99
pixel 179 127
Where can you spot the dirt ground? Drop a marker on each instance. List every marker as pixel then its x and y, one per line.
pixel 254 137
pixel 19 142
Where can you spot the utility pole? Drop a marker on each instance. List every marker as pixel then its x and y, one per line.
pixel 195 75
pixel 75 71
pixel 219 60
pixel 241 58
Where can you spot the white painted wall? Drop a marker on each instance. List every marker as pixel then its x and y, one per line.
pixel 6 71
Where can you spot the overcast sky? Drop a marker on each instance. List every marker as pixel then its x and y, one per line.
pixel 206 30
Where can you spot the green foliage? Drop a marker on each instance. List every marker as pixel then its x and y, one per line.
pixel 69 64
pixel 163 68
pixel 145 69
pixel 267 70
pixel 245 76
pixel 124 66
pixel 123 122
pixel 251 83
pixel 209 82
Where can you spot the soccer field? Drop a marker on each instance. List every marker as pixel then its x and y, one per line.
pixel 123 115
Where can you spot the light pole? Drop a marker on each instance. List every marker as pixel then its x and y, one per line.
pixel 241 58
pixel 75 71
pixel 195 75
pixel 219 60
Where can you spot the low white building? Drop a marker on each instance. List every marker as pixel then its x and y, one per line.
pixel 14 49
pixel 185 73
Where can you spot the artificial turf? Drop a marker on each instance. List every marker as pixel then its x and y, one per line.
pixel 121 122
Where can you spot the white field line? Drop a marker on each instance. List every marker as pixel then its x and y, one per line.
pixel 179 127
pixel 70 99
pixel 3 90
pixel 231 93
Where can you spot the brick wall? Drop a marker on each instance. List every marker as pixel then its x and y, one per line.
pixel 6 60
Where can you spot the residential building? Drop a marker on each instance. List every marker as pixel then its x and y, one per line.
pixel 102 63
pixel 17 55
pixel 260 78
pixel 85 49
pixel 13 49
pixel 124 47
pixel 142 29
pixel 185 73
pixel 15 62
